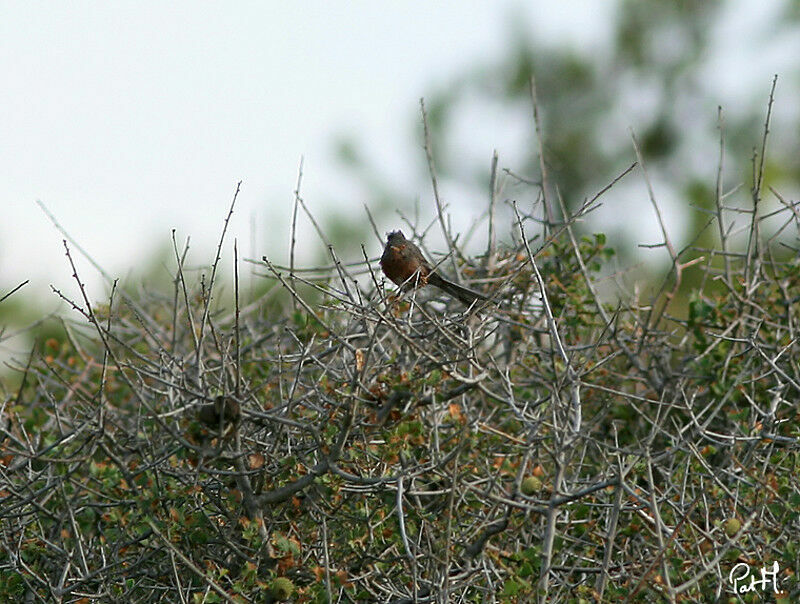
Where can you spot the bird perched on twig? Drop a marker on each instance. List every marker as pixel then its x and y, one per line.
pixel 224 411
pixel 404 264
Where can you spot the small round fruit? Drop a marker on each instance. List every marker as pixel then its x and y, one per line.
pixel 531 485
pixel 732 526
pixel 282 588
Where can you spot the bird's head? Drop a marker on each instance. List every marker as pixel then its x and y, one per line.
pixel 395 238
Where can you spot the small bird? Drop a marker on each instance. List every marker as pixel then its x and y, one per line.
pixel 404 264
pixel 224 410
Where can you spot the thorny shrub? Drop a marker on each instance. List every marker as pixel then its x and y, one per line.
pixel 337 441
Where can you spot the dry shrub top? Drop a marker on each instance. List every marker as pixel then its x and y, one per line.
pixel 366 446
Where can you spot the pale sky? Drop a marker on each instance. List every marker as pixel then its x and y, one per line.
pixel 128 119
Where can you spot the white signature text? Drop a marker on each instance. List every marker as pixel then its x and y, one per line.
pixel 740 573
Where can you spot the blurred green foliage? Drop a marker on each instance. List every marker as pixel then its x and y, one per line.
pixel 654 75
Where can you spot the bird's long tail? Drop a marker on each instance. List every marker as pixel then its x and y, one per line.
pixel 464 294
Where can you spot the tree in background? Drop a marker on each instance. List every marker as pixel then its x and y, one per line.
pixel 659 76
